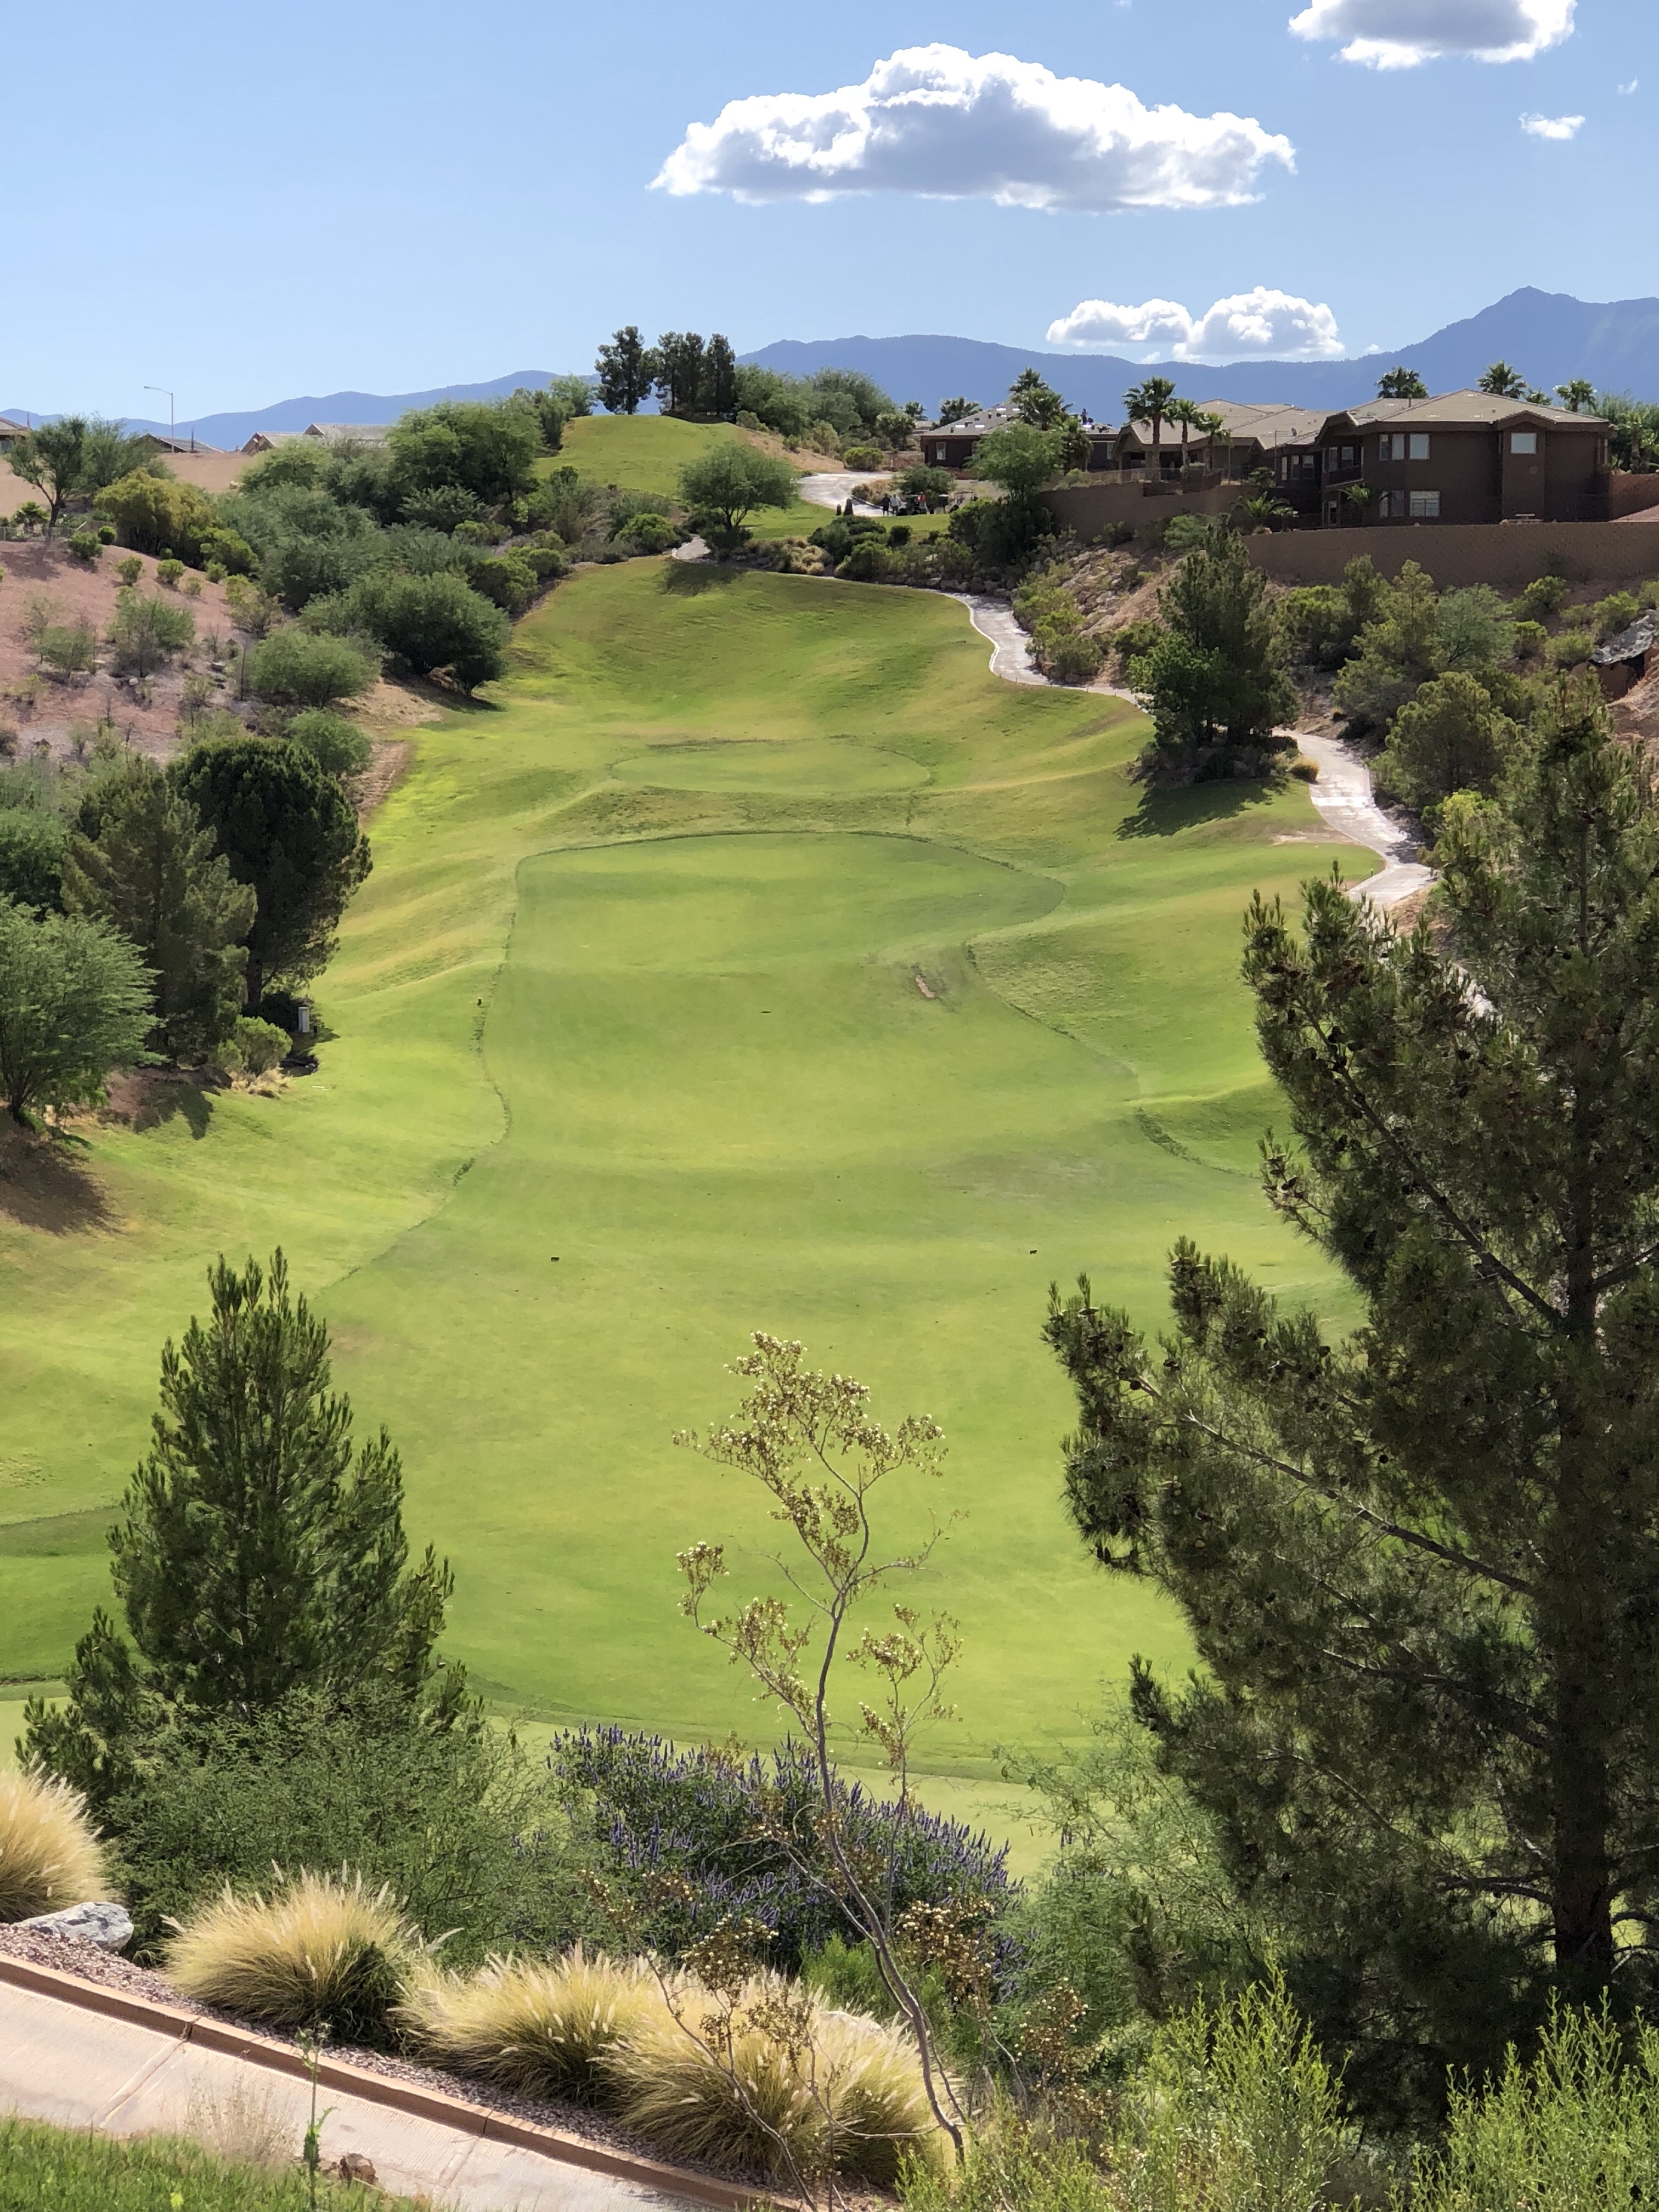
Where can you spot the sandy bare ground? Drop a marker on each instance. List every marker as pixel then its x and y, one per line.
pixel 46 715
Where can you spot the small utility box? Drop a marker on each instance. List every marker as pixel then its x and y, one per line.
pixel 302 1017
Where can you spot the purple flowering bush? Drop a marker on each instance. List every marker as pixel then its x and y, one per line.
pixel 744 1836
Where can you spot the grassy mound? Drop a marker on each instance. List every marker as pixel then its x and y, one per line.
pixel 625 1068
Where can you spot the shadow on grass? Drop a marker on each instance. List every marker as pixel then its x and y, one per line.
pixel 1162 813
pixel 44 1185
pixel 690 580
pixel 149 1096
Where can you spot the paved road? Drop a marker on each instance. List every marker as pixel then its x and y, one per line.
pixel 83 2069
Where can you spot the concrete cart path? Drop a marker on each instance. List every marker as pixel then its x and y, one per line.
pixel 1343 795
pixel 835 487
pixel 81 2068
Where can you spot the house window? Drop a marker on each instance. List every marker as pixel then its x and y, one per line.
pixel 1523 441
pixel 1391 507
pixel 1419 446
pixel 1425 505
pixel 938 452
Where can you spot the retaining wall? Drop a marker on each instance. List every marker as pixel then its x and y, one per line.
pixel 1506 554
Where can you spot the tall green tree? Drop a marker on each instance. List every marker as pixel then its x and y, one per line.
pixel 256 1555
pixel 730 481
pixel 1400 384
pixel 153 872
pixel 1019 458
pixel 679 359
pixel 718 395
pixel 1420 1562
pixel 1215 680
pixel 75 1002
pixel 1449 738
pixel 626 371
pixel 290 834
pixel 53 458
pixel 1577 397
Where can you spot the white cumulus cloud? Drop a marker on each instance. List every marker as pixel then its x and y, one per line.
pixel 945 124
pixel 1551 126
pixel 1401 33
pixel 1274 324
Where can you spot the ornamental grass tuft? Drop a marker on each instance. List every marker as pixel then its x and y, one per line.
pixel 50 1853
pixel 547 2026
pixel 321 1950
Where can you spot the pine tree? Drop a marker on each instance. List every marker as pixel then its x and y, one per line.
pixel 626 370
pixel 1216 678
pixel 254 1557
pixel 1421 1563
pixel 153 873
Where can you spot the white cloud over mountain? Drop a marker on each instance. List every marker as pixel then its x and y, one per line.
pixel 1551 126
pixel 940 123
pixel 1273 325
pixel 1401 33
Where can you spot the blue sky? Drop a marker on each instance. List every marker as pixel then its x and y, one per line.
pixel 249 202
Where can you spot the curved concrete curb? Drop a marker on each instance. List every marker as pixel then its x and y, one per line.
pixel 430 2104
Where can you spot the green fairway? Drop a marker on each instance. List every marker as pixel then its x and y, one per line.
pixel 758 961
pixel 646 453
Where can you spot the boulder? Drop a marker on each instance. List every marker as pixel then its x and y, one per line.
pixel 105 1923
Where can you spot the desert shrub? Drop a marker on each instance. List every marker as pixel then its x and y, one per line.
pixel 168 573
pixel 229 552
pixel 305 668
pixel 1011 2164
pixel 256 1047
pixel 1577 2129
pixel 68 648
pixel 441 506
pixel 129 570
pixel 1234 2107
pixel 869 562
pixel 49 1856
pixel 1004 535
pixel 455 1819
pixel 1615 612
pixel 544 2025
pixel 1531 639
pixel 719 1823
pixel 649 533
pixel 334 741
pixel 159 515
pixel 505 579
pixel 193 585
pixel 32 841
pixel 1541 599
pixel 429 623
pixel 252 609
pixel 1571 648
pixel 861 456
pixel 1320 622
pixel 145 633
pixel 313 1950
pixel 84 546
pixel 104 534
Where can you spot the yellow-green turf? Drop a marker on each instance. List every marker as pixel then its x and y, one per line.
pixel 630 1061
pixel 646 453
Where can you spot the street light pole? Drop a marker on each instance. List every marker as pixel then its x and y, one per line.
pixel 172 440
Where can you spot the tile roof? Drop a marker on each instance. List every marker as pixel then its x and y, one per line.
pixel 1476 407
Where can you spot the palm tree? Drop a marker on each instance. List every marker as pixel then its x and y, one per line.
pixel 1191 416
pixel 1402 384
pixel 1505 382
pixel 1149 402
pixel 1215 427
pixel 1578 397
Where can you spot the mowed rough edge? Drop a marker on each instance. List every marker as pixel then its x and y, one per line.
pixel 545 1197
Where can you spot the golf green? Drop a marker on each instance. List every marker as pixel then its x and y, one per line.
pixel 757 960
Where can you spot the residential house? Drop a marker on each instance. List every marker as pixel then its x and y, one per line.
pixel 10 432
pixel 1464 456
pixel 952 445
pixel 361 433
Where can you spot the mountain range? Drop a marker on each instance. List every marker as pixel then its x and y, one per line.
pixel 1550 336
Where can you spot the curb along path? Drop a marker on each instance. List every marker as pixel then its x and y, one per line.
pixel 81 2056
